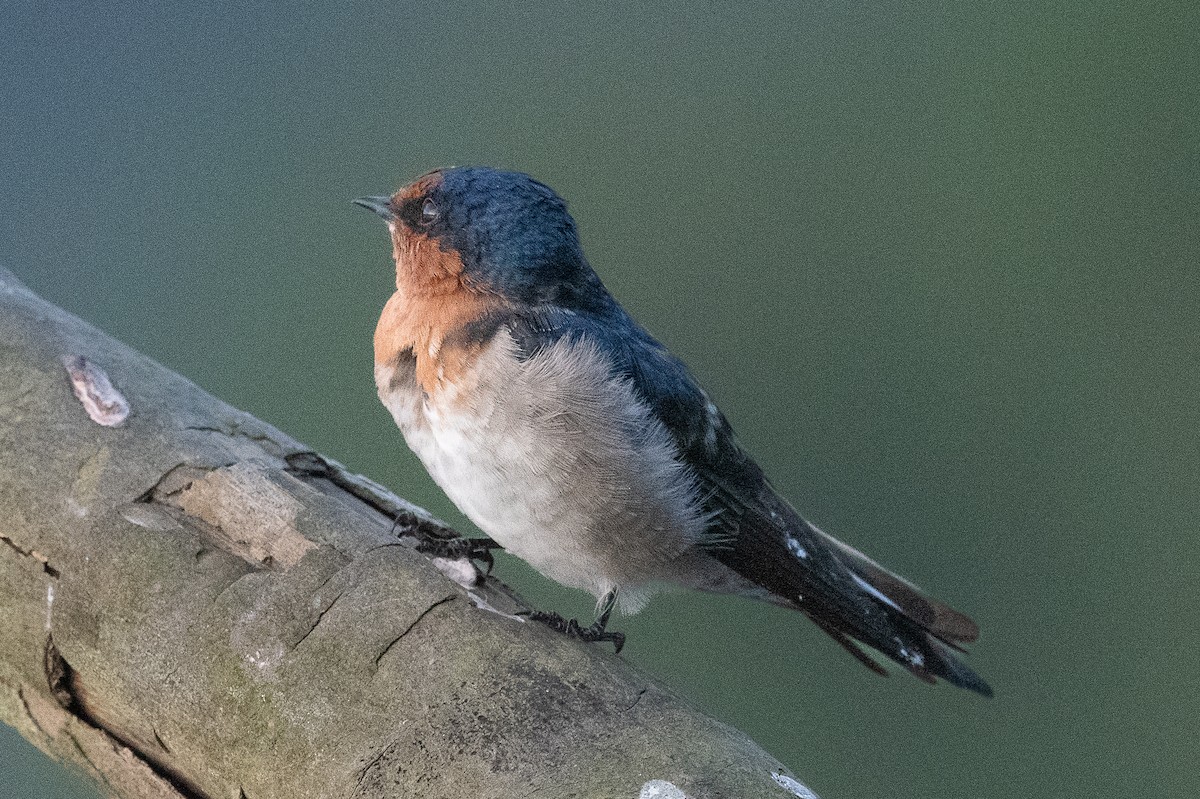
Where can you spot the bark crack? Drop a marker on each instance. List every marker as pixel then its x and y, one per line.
pixel 31 553
pixel 411 518
pixel 237 429
pixel 316 622
pixel 362 773
pixel 29 713
pixel 175 480
pixel 410 627
pixel 65 686
pixel 83 753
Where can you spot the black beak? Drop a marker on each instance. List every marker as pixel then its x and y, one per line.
pixel 380 205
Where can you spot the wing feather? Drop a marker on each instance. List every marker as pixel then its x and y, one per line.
pixel 753 530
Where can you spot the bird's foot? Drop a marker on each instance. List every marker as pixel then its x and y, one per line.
pixel 572 628
pixel 596 632
pixel 471 549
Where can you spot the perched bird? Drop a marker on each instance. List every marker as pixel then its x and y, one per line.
pixel 577 442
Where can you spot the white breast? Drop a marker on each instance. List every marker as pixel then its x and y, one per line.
pixel 558 462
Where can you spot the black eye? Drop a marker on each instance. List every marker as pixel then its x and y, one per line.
pixel 429 211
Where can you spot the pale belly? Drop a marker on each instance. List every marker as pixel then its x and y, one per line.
pixel 560 465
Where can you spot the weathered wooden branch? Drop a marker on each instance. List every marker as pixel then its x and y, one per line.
pixel 196 605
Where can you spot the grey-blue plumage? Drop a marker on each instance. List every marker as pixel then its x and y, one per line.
pixel 572 437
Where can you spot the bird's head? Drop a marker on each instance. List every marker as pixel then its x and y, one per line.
pixel 485 230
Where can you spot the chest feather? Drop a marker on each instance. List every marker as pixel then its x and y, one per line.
pixel 555 458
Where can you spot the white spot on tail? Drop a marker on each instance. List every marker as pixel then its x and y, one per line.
pixel 796 548
pixel 873 591
pixel 912 658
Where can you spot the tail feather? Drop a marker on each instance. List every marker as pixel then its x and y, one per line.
pixel 848 644
pixel 848 595
pixel 941 620
pixel 903 640
pixel 920 633
pixel 893 617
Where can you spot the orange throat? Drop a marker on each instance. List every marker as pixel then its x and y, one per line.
pixel 430 305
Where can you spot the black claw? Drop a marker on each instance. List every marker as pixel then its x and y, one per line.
pixel 570 627
pixel 479 549
pixel 443 543
pixel 485 556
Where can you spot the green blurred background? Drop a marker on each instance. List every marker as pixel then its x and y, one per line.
pixel 937 262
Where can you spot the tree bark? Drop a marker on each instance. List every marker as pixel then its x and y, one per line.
pixel 196 605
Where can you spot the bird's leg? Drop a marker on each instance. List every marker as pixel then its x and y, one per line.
pixel 451 547
pixel 596 632
pixel 479 549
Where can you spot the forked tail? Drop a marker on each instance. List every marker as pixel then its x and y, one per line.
pixel 920 633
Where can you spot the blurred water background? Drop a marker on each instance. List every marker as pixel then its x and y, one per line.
pixel 937 262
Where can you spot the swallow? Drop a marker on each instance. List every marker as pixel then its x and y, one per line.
pixel 573 439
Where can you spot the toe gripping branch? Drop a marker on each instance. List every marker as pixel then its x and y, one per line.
pixel 480 549
pixel 472 549
pixel 442 542
pixel 571 627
